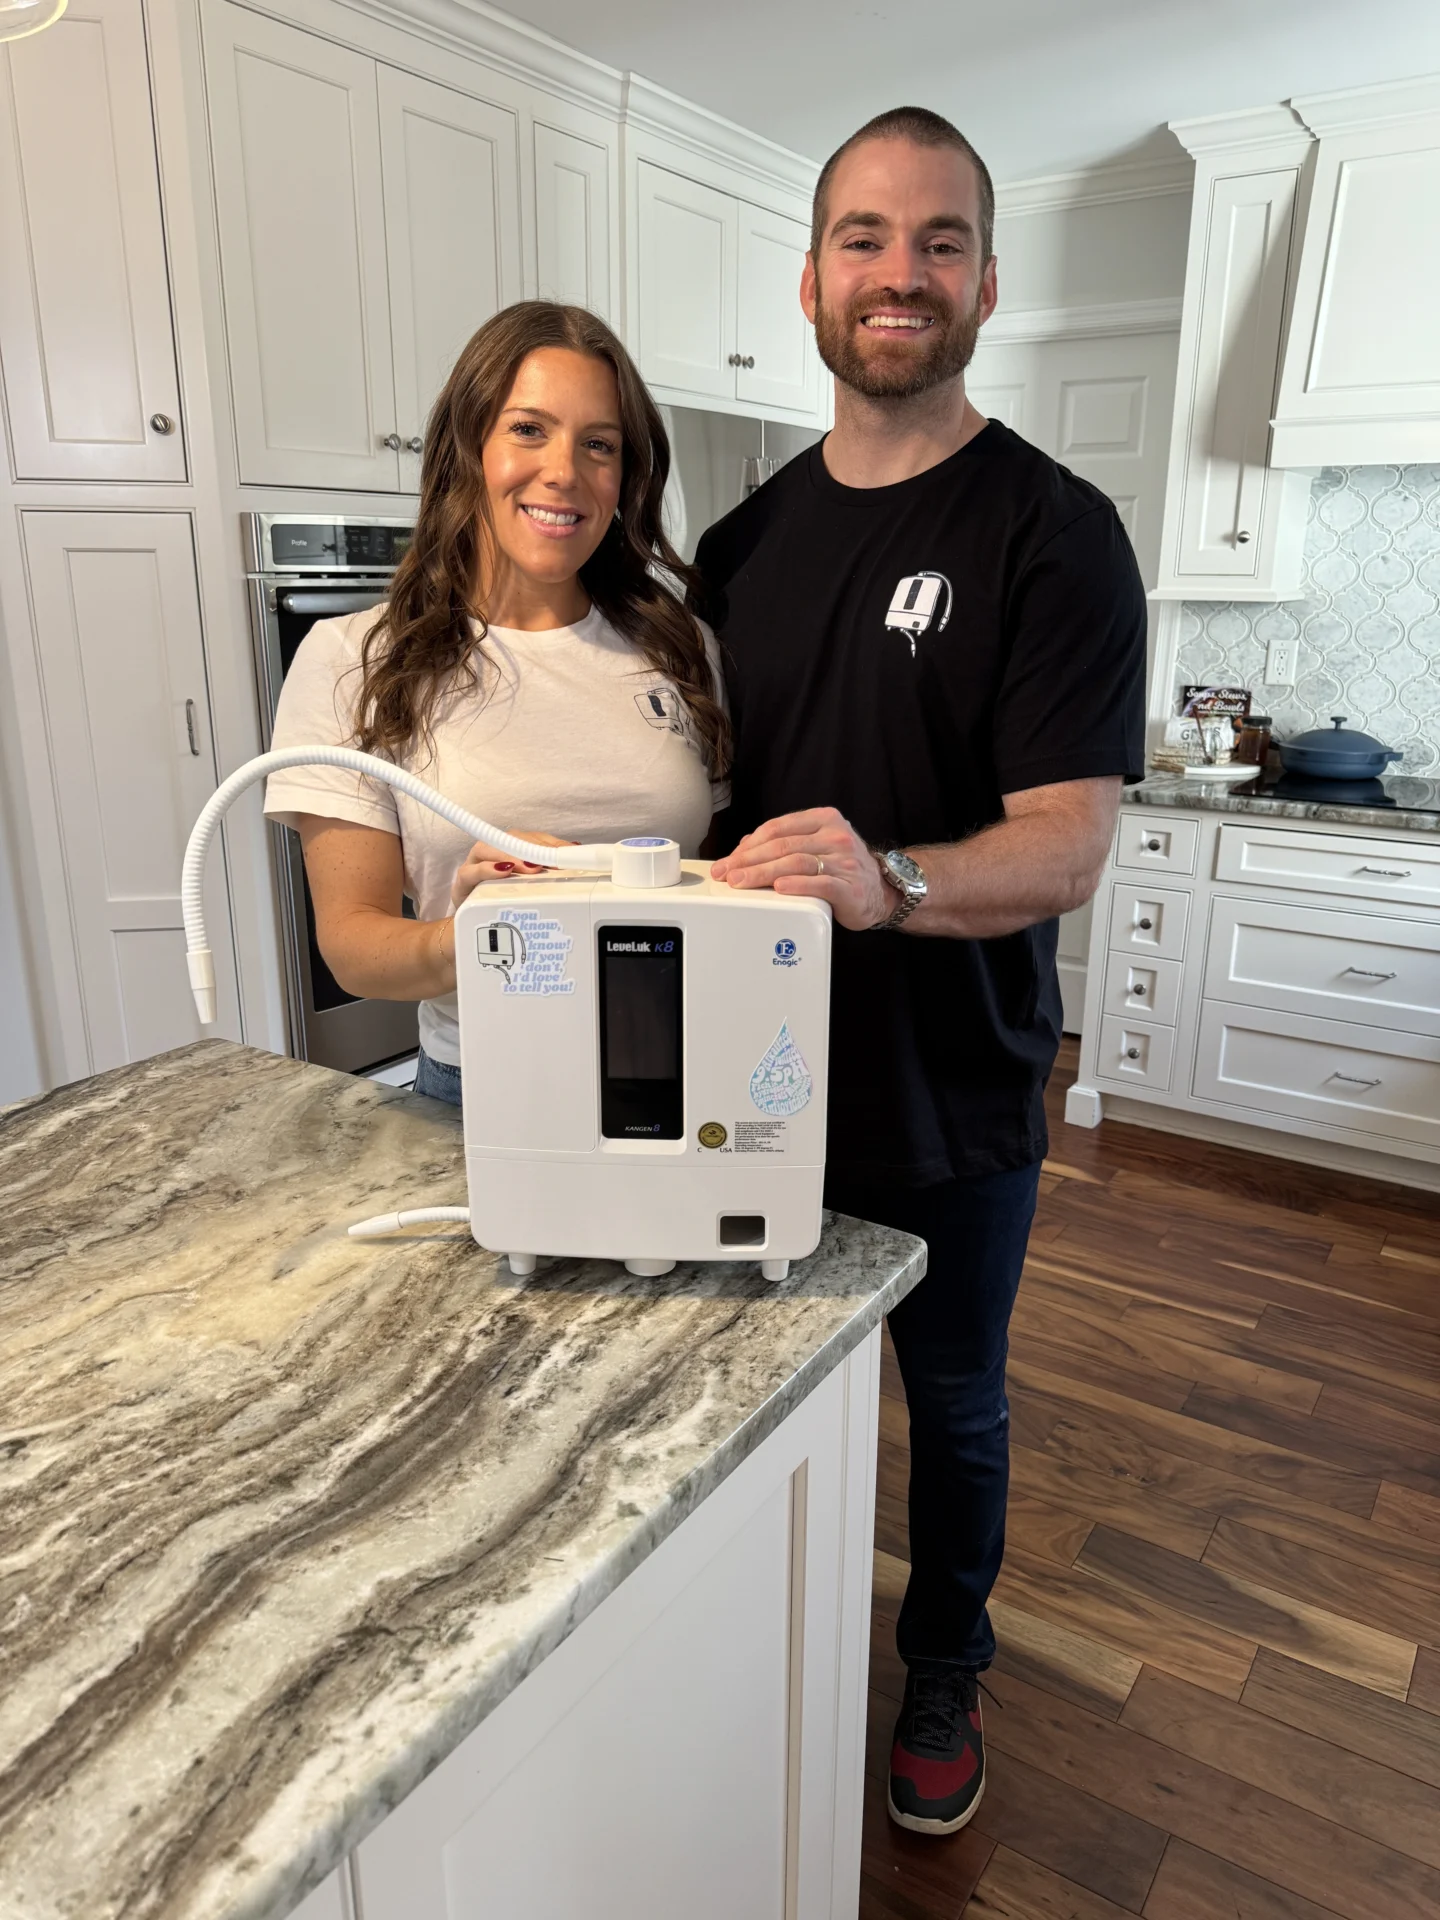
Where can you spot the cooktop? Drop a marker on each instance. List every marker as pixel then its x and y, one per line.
pixel 1399 790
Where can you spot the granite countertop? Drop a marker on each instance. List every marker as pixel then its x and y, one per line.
pixel 284 1515
pixel 1411 797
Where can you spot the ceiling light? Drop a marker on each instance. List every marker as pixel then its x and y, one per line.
pixel 19 17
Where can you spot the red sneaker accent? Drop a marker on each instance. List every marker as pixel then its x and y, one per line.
pixel 934 1779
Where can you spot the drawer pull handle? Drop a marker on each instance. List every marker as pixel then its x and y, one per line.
pixel 1389 873
pixel 1351 1081
pixel 1138 989
pixel 1367 973
pixel 1145 925
pixel 1132 1053
pixel 1153 846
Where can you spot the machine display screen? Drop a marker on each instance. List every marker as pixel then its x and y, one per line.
pixel 641 1033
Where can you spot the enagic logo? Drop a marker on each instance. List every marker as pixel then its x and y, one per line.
pixel 785 954
pixel 913 604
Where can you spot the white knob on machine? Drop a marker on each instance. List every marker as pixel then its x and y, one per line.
pixel 646 861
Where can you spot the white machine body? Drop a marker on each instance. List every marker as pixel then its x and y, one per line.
pixel 644 1069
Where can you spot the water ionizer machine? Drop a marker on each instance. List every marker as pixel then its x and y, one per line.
pixel 643 1049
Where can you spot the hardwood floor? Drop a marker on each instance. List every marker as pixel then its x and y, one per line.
pixel 1219 1616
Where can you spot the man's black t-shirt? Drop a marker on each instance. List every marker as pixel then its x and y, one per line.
pixel 910 654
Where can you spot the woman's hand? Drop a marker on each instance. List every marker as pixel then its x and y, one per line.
pixel 484 863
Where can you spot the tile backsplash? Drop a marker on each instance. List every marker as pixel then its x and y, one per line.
pixel 1368 627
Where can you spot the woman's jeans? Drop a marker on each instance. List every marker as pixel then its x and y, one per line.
pixel 434 1078
pixel 950 1338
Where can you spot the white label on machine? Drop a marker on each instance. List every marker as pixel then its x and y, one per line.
pixel 542 967
pixel 760 1136
pixel 781 1084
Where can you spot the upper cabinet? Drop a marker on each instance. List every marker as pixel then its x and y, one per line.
pixel 1234 528
pixel 1361 377
pixel 86 340
pixel 717 284
pixel 576 225
pixel 369 222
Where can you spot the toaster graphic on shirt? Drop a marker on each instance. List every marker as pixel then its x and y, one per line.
pixel 913 604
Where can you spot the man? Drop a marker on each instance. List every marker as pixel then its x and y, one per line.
pixel 935 648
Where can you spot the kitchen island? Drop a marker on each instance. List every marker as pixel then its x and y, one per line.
pixel 358 1575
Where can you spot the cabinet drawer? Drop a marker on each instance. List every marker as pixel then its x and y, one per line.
pixel 1148 921
pixel 1156 846
pixel 1135 1053
pixel 1322 1070
pixel 1331 863
pixel 1340 966
pixel 1138 989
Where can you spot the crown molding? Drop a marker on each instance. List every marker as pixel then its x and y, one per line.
pixel 1359 107
pixel 1093 187
pixel 1276 126
pixel 1017 325
pixel 523 52
pixel 655 110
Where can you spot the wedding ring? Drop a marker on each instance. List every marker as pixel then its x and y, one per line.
pixel 819 866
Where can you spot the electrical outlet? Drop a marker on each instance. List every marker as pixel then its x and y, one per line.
pixel 1281 660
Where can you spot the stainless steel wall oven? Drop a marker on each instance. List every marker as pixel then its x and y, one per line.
pixel 305 567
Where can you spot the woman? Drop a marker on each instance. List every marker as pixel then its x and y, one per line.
pixel 531 662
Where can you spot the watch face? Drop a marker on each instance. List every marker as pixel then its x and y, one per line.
pixel 905 870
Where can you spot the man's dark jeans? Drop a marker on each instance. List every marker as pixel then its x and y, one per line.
pixel 950 1339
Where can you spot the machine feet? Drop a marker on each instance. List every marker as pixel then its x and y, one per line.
pixel 521 1264
pixel 774 1270
pixel 648 1269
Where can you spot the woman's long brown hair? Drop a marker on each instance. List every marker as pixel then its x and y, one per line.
pixel 423 645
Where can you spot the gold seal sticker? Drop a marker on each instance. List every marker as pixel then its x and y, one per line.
pixel 712 1134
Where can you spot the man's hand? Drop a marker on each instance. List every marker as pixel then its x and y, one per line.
pixel 817 853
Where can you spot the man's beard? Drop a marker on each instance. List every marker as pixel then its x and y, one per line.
pixel 910 368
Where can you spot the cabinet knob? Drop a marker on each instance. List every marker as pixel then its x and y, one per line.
pixel 1242 539
pixel 416 443
pixel 1132 1053
pixel 736 361
pixel 748 361
pixel 392 441
pixel 1139 989
pixel 162 423
pixel 1145 926
pixel 1152 846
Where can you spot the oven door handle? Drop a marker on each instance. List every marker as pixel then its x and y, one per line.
pixel 328 603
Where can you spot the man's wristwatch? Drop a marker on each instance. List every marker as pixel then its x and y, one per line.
pixel 907 877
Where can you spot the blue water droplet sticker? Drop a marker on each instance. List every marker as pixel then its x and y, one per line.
pixel 781 1084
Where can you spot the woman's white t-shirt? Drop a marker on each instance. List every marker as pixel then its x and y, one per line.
pixel 566 732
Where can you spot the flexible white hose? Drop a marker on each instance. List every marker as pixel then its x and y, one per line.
pixel 382 1223
pixel 198 957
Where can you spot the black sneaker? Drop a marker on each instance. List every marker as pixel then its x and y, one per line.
pixel 937 1764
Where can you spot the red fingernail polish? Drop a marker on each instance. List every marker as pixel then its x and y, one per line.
pixel 533 866
pixel 504 866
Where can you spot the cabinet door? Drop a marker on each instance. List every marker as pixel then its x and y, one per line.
pixel 296 139
pixel 572 219
pixel 687 284
pixel 452 233
pixel 1237 356
pixel 85 331
pixel 117 624
pixel 772 330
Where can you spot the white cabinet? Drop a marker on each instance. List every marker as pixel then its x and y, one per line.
pixel 718 315
pixel 1361 379
pixel 573 195
pixel 127 730
pixel 369 222
pixel 86 340
pixel 774 341
pixel 687 242
pixel 452 234
pixel 1234 528
pixel 295 129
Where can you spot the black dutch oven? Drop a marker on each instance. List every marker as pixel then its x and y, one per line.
pixel 1341 754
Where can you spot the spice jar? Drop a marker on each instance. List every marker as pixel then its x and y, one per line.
pixel 1254 742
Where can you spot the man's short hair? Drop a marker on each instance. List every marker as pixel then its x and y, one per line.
pixel 921 128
